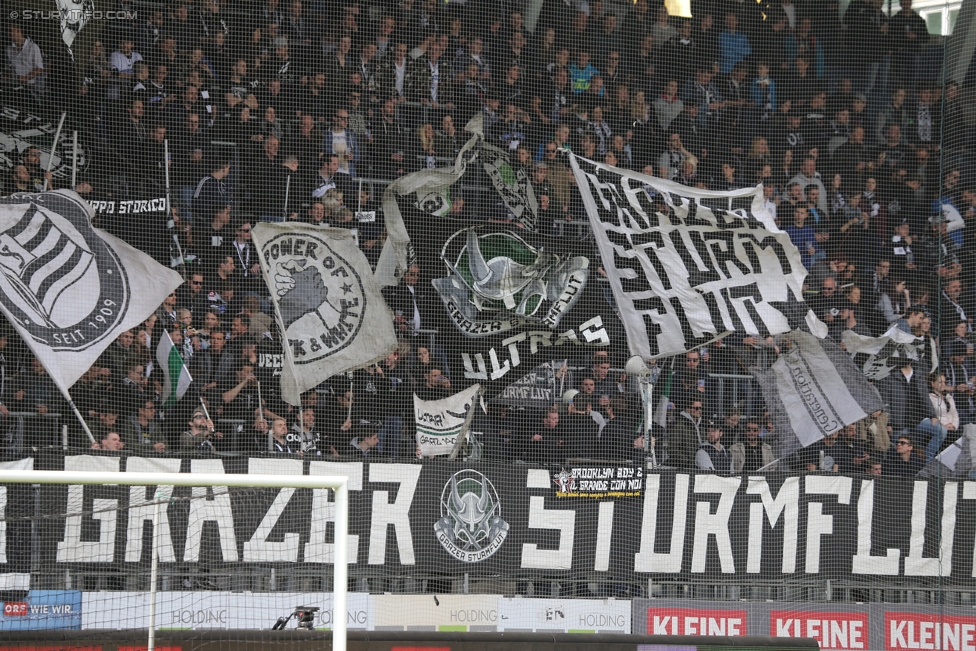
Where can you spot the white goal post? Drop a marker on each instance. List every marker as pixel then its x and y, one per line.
pixel 338 484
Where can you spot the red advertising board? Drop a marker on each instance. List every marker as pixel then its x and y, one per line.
pixel 689 621
pixel 15 609
pixel 845 631
pixel 929 631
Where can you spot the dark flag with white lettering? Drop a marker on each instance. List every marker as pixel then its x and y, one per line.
pixel 813 389
pixel 141 223
pixel 688 266
pixel 503 299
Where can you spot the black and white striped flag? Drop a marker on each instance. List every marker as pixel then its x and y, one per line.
pixel 70 289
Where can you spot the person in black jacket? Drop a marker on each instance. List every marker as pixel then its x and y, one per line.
pixel 545 441
pixel 392 382
pixel 909 409
pixel 413 303
pixel 902 460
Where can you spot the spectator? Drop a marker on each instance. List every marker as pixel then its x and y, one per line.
pixel 670 161
pixel 212 193
pixel 959 378
pixel 733 45
pixel 803 236
pixel 306 439
pixel 341 142
pixel 856 454
pixel 752 454
pixel 712 455
pixel 123 62
pixel 581 72
pixel 111 442
pixel 902 460
pixel 328 178
pixel 436 385
pixel 425 81
pixel 141 431
pixel 413 303
pixel 201 433
pixel 894 304
pixel 365 443
pixel 26 61
pixel 826 455
pixel 35 391
pixel 279 435
pixel 944 405
pixel 545 441
pixel 684 437
pixel 905 392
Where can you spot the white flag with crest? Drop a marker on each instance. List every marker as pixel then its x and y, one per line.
pixel 70 289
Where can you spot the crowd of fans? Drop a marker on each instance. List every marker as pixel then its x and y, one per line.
pixel 864 163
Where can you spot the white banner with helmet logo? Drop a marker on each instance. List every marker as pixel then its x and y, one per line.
pixel 441 422
pixel 68 288
pixel 326 302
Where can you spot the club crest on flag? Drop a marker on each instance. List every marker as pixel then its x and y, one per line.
pixel 498 281
pixel 320 295
pixel 58 278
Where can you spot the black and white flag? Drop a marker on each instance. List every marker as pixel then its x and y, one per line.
pixel 813 389
pixel 877 357
pixel 688 266
pixel 74 15
pixel 429 191
pixel 70 289
pixel 326 301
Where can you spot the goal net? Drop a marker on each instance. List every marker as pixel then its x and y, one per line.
pixel 148 551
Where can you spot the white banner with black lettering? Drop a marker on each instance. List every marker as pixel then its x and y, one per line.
pixel 688 266
pixel 441 422
pixel 201 610
pixel 813 389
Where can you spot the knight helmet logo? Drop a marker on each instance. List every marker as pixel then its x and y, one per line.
pixel 58 279
pixel 471 528
pixel 498 281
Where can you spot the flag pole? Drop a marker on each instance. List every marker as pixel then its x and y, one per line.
pixel 206 413
pixel 74 158
pixel 261 416
pixel 50 158
pixel 170 223
pixel 84 425
pixel 636 367
pixel 284 208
